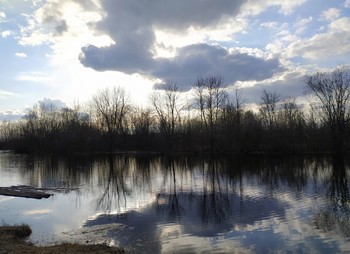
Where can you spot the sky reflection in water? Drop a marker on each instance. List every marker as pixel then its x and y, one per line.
pixel 158 204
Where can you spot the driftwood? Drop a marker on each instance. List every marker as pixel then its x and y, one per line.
pixel 25 191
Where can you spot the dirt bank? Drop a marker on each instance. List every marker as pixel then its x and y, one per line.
pixel 12 240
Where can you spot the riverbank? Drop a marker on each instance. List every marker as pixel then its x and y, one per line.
pixel 13 240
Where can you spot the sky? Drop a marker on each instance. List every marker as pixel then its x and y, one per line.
pixel 65 51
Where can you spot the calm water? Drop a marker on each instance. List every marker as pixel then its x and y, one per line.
pixel 193 204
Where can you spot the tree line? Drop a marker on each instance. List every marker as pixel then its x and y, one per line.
pixel 211 122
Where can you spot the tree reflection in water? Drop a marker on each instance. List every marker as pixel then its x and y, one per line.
pixel 211 203
pixel 115 190
pixel 219 198
pixel 195 197
pixel 336 213
pixel 215 206
pixel 169 201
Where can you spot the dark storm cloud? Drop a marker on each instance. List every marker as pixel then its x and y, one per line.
pixel 201 60
pixel 117 58
pixel 167 14
pixel 131 24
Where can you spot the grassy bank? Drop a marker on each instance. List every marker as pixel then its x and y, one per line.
pixel 12 240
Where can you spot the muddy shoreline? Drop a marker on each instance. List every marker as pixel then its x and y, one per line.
pixel 13 240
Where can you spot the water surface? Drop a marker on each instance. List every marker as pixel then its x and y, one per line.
pixel 184 204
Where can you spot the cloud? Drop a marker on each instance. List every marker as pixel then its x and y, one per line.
pixel 302 24
pixel 5 94
pixel 52 16
pixel 53 20
pixel 21 54
pixel 288 85
pixel 347 4
pixel 44 24
pixel 340 25
pixel 61 27
pixel 34 77
pixel 334 43
pixel 5 34
pixel 172 15
pixel 330 14
pixel 189 63
pixel 201 60
pixel 48 104
pixel 286 7
pixel 136 43
pixel 273 25
pixel 11 115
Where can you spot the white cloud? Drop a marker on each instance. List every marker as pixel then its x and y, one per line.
pixel 286 7
pixel 340 25
pixel 275 48
pixel 270 24
pixel 330 14
pixel 335 42
pixel 2 15
pixel 66 26
pixel 302 24
pixel 223 32
pixel 347 4
pixel 57 21
pixel 51 104
pixel 287 36
pixel 21 54
pixel 11 115
pixel 6 34
pixel 34 77
pixel 5 94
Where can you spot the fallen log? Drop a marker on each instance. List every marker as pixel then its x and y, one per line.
pixel 25 192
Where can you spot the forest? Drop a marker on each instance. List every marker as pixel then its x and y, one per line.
pixel 210 122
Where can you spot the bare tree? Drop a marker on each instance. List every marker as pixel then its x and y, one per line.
pixel 111 107
pixel 268 109
pixel 332 89
pixel 291 115
pixel 141 121
pixel 210 99
pixel 167 106
pixel 141 125
pixel 238 101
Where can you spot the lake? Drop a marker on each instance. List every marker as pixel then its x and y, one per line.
pixel 193 204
